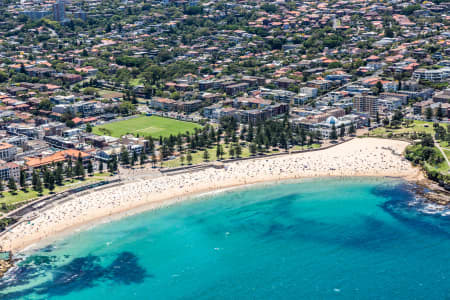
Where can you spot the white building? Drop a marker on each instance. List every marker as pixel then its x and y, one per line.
pixel 325 128
pixel 432 75
pixel 7 151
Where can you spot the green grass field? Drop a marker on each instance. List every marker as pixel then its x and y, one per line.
pixel 20 196
pixel 417 126
pixel 145 126
pixel 197 157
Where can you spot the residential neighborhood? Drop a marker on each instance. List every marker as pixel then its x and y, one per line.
pixel 71 71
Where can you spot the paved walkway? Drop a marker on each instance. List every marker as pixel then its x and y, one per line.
pixel 443 153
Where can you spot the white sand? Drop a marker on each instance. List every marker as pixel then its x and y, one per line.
pixel 358 157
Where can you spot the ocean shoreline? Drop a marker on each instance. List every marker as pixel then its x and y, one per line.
pixel 175 189
pixel 146 207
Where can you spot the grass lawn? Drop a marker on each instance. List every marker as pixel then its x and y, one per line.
pixel 197 157
pixel 107 94
pixel 9 198
pixel 136 82
pixel 447 153
pixel 305 147
pixel 145 126
pixel 417 126
pixel 442 167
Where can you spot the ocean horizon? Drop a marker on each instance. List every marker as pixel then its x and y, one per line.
pixel 353 238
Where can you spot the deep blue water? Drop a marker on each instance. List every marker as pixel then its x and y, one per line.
pixel 353 238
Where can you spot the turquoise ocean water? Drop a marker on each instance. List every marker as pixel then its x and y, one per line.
pixel 353 238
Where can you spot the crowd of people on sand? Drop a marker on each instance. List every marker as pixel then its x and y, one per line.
pixel 359 157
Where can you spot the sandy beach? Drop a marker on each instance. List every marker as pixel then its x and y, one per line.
pixel 358 157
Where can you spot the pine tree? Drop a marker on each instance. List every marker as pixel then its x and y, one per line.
pixel 182 159
pixel 34 179
pixel 90 168
pixel 57 174
pixel 124 156
pixel 218 151
pixel 51 183
pixel 352 129
pixel 79 168
pixel 12 185
pixel 342 131
pixel 205 155
pixel 333 134
pixel 142 158
pixel 134 158
pixel 253 148
pixel 231 152
pixel 189 158
pixel 23 179
pixel 39 188
pixel 154 159
pixel 238 150
pixel 439 114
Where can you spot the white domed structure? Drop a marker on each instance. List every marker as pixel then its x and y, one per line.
pixel 332 120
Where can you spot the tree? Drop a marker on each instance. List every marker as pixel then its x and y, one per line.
pixel 182 159
pixel 88 127
pixel 3 76
pixel 23 179
pixel 378 118
pixel 253 149
pixel 12 185
pixel 69 170
pixel 51 183
pixel 427 141
pixel 388 32
pixel 39 188
pixel 134 158
pixel 100 166
pixel 142 158
pixel 439 113
pixel 90 168
pixel 218 151
pixel 238 150
pixel 342 131
pixel 428 113
pixel 379 87
pixel 231 152
pixel 154 159
pixel 124 156
pixel 189 158
pixel 386 121
pixel 352 129
pixel 333 134
pixel 58 175
pixel 34 179
pixel 79 168
pixel 205 155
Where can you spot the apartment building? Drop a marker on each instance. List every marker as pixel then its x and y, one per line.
pixel 366 104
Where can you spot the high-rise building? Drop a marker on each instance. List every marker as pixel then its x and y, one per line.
pixel 59 13
pixel 81 14
pixel 366 104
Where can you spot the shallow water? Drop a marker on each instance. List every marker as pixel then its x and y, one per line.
pixel 353 238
